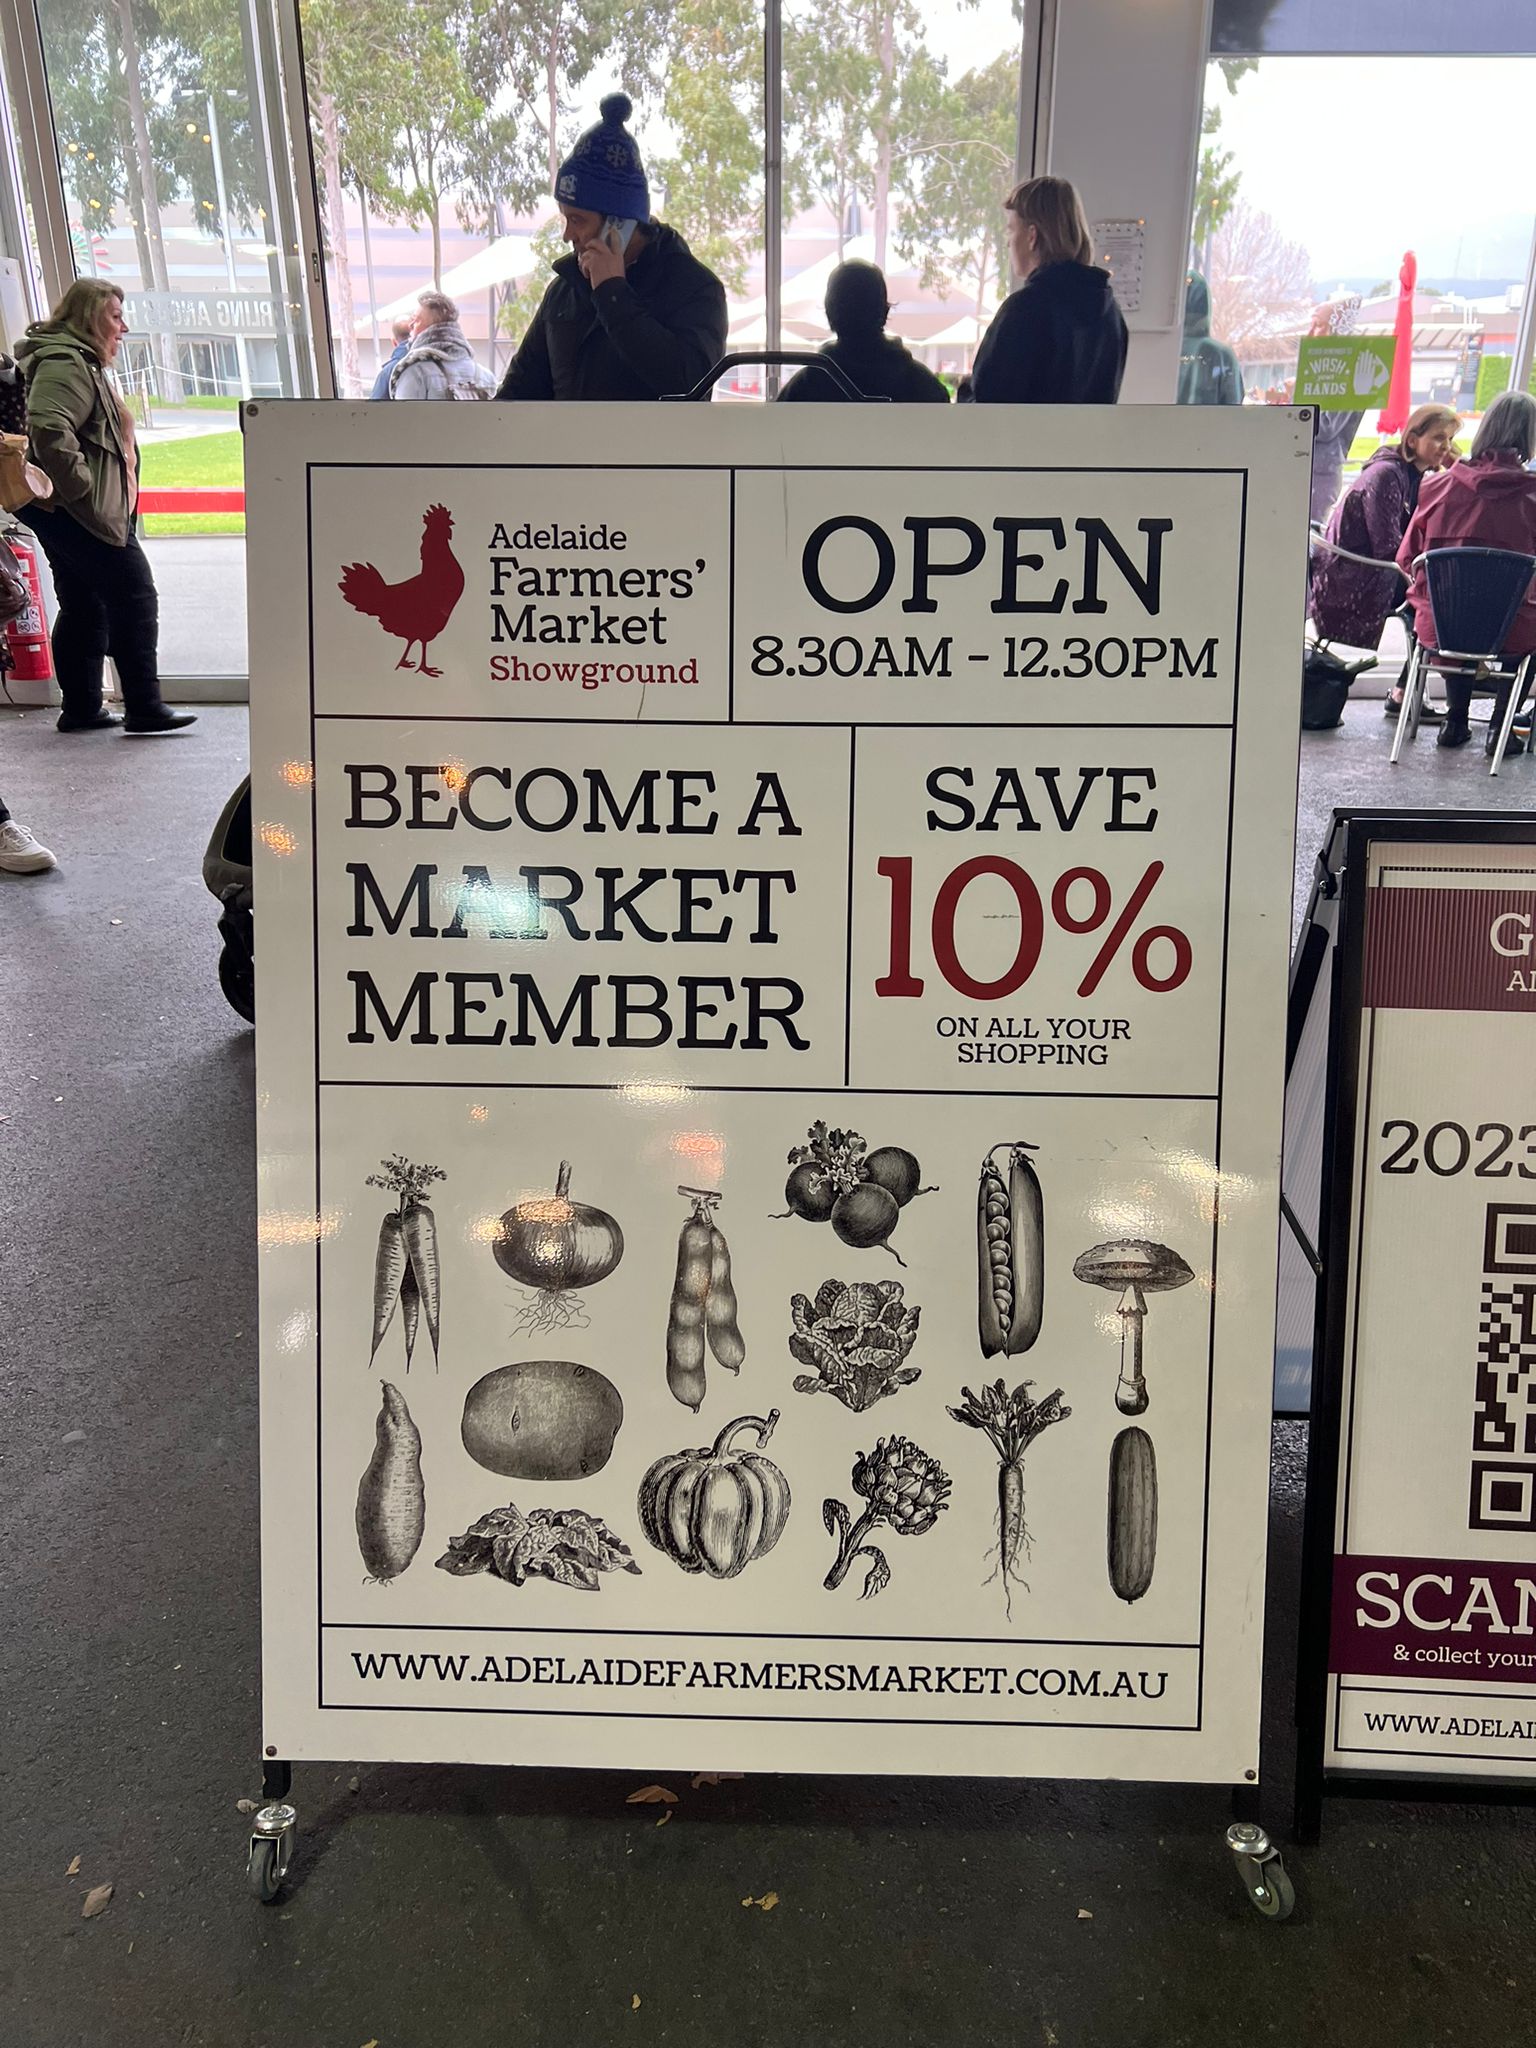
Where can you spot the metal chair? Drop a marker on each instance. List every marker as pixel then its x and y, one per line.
pixel 1325 546
pixel 1318 645
pixel 1474 595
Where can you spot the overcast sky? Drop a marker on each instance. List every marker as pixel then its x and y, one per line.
pixel 1361 158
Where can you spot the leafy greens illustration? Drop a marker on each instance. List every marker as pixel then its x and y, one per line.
pixel 562 1544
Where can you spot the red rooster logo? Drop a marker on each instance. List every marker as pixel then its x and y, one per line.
pixel 417 610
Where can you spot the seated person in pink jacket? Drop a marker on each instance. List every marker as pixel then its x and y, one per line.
pixel 1488 501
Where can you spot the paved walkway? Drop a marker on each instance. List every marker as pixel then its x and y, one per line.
pixel 171 425
pixel 202 606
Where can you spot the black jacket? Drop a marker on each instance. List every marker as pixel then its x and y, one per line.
pixel 880 366
pixel 652 332
pixel 1058 340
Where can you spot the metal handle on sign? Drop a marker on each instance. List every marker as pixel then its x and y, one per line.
pixel 809 357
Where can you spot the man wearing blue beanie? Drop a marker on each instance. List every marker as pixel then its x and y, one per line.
pixel 631 312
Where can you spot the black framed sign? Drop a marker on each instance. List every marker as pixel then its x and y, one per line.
pixel 1418 1654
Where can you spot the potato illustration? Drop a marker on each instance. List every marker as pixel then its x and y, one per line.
pixel 543 1419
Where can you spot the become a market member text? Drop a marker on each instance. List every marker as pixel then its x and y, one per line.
pixel 523 902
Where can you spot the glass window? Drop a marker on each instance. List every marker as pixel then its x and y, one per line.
pixel 1287 237
pixel 462 200
pixel 160 114
pixel 901 136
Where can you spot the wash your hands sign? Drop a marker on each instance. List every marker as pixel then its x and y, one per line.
pixel 1342 374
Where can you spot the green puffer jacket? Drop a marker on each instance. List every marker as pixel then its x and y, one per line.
pixel 73 424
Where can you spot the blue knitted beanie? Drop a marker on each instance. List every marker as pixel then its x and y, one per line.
pixel 603 173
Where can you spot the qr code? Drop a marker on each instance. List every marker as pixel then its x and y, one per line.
pixel 1504 1420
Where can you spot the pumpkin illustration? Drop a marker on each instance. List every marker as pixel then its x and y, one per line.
pixel 556 1247
pixel 716 1510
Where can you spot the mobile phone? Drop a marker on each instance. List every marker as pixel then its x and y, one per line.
pixel 622 228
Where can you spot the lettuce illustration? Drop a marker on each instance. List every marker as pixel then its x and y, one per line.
pixel 855 1339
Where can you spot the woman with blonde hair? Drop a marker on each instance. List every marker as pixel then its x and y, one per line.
pixel 82 438
pixel 1059 339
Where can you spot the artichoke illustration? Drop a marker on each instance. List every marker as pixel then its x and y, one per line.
pixel 906 1490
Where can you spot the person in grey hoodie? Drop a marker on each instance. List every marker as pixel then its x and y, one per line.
pixel 439 362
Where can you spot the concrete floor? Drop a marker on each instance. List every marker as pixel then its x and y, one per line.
pixel 457 1908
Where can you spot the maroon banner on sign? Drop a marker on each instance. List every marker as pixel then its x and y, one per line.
pixel 1451 949
pixel 1434 1618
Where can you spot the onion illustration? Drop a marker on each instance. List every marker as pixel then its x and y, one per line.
pixel 556 1247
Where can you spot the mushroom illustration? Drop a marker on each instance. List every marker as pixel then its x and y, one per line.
pixel 1133 1268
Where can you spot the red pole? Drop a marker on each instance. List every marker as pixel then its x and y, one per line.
pixel 1394 415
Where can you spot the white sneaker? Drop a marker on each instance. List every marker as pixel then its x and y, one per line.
pixel 20 853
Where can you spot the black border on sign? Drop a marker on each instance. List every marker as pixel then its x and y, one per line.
pixel 1228 725
pixel 1346 860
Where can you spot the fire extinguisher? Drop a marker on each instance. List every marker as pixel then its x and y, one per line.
pixel 26 637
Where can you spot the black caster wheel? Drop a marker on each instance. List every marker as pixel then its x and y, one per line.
pixel 238 983
pixel 1260 1871
pixel 1274 1895
pixel 270 1851
pixel 261 1871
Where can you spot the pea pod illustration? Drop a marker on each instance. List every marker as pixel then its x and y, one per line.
pixel 704 1307
pixel 1010 1248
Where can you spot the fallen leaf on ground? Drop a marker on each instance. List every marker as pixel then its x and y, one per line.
pixel 246 1806
pixel 634 2003
pixel 768 1901
pixel 718 1778
pixel 1083 1913
pixel 652 1795
pixel 370 2044
pixel 97 1900
pixel 665 1818
pixel 354 1784
pixel 74 1868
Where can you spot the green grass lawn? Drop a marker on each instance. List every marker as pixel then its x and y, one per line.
pixel 170 525
pixel 214 461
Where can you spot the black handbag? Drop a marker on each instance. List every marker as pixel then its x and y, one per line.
pixel 1325 681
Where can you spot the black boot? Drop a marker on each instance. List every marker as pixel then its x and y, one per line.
pixel 150 724
pixel 1515 745
pixel 98 720
pixel 1458 699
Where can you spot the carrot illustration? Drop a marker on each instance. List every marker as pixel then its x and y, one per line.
pixel 410 1310
pixel 419 1228
pixel 405 1268
pixel 389 1266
